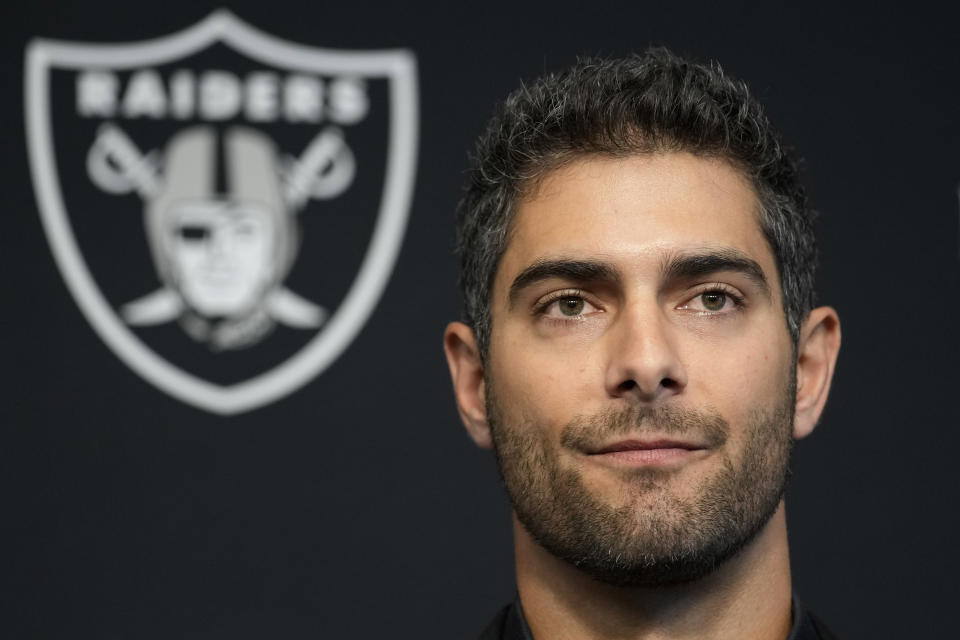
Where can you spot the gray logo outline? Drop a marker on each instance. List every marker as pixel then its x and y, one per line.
pixel 397 65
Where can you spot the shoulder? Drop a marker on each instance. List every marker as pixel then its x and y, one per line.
pixel 821 630
pixel 808 626
pixel 494 630
pixel 508 624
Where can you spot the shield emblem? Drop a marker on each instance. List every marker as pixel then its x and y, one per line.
pixel 225 207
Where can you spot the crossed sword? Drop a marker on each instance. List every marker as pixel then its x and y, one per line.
pixel 324 170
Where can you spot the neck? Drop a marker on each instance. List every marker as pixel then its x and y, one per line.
pixel 747 598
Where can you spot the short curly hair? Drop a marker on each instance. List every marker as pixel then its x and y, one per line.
pixel 653 102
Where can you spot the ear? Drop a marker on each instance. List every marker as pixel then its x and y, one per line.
pixel 817 351
pixel 466 371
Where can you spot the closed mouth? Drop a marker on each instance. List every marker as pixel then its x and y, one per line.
pixel 644 445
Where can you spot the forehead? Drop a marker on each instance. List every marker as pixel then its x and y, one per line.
pixel 635 211
pixel 217 212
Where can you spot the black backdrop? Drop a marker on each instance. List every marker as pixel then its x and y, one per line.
pixel 356 506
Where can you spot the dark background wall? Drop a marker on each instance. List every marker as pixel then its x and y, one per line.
pixel 356 506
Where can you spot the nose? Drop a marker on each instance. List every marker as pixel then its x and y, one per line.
pixel 219 242
pixel 643 363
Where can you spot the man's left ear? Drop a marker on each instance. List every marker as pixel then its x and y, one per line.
pixel 817 351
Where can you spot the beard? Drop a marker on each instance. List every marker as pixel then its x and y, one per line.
pixel 652 537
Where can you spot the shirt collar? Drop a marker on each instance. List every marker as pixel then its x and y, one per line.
pixel 515 625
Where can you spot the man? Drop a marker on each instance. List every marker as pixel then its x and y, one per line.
pixel 640 349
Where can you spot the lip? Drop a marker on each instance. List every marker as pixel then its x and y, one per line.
pixel 648 453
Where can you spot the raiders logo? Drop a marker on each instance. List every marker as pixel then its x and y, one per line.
pixel 225 207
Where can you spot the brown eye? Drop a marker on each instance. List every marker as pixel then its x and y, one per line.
pixel 713 300
pixel 570 306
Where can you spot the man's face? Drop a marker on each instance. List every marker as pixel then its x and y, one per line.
pixel 221 255
pixel 640 380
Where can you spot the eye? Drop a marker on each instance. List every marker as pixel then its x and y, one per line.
pixel 716 299
pixel 565 304
pixel 193 233
pixel 571 306
pixel 713 300
pixel 245 229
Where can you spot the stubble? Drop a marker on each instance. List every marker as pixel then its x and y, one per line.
pixel 649 534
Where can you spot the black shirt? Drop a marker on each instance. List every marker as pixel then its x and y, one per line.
pixel 510 624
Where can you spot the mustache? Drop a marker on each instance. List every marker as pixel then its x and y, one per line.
pixel 585 433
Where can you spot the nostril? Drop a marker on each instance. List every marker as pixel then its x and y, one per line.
pixel 631 386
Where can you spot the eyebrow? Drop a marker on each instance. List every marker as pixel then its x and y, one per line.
pixel 695 265
pixel 676 267
pixel 567 269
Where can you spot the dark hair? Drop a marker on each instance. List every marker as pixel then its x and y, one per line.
pixel 649 103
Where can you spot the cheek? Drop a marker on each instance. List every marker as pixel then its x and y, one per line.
pixel 739 380
pixel 743 371
pixel 544 383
